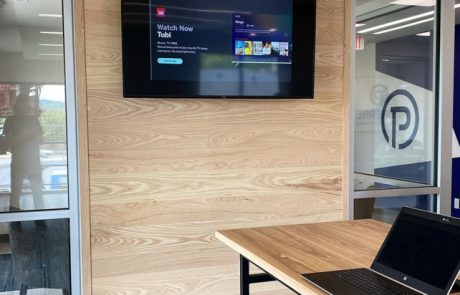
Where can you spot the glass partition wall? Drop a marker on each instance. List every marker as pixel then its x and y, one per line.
pixel 39 244
pixel 396 105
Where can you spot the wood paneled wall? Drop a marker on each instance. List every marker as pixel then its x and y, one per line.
pixel 165 174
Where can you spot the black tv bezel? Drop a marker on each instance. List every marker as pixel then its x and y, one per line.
pixel 136 57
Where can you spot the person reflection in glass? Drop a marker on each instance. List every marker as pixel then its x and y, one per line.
pixel 24 134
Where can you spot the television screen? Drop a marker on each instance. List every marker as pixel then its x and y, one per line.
pixel 218 48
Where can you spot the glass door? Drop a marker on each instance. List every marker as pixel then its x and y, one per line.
pixel 396 103
pixel 39 244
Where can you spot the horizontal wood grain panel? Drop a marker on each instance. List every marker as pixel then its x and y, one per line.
pixel 137 191
pixel 159 263
pixel 329 56
pixel 102 23
pixel 330 12
pixel 330 34
pixel 232 182
pixel 114 241
pixel 208 281
pixel 326 7
pixel 193 287
pixel 151 139
pixel 121 162
pixel 303 119
pixel 105 50
pixel 166 173
pixel 109 110
pixel 103 5
pixel 109 74
pixel 329 77
pixel 226 208
pixel 126 241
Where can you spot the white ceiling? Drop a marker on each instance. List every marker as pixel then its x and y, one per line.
pixel 378 12
pixel 20 26
pixel 25 12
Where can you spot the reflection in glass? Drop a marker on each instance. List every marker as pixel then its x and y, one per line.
pixel 35 255
pixel 386 209
pixel 33 169
pixel 395 101
pixel 365 182
pixel 265 79
pixel 33 144
pixel 23 134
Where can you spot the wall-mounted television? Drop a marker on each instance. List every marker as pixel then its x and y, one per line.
pixel 218 48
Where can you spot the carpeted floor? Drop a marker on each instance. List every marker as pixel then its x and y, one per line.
pixel 40 256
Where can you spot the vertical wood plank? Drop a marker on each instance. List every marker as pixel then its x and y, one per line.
pixel 83 156
pixel 347 76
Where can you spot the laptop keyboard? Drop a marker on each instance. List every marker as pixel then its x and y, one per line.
pixel 372 283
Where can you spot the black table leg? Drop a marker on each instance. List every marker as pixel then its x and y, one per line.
pixel 244 276
pixel 247 279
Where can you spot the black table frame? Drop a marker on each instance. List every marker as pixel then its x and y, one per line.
pixel 246 279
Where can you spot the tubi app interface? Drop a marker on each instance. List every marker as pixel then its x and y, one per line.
pixel 221 41
pixel 262 38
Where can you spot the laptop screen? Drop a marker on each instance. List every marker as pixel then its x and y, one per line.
pixel 424 249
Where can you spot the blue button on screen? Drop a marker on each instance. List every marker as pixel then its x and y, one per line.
pixel 170 61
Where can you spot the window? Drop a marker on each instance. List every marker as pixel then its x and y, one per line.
pixel 39 234
pixel 396 104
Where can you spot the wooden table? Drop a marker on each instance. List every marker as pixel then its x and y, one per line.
pixel 285 252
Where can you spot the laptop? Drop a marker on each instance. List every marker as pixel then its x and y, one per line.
pixel 420 255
